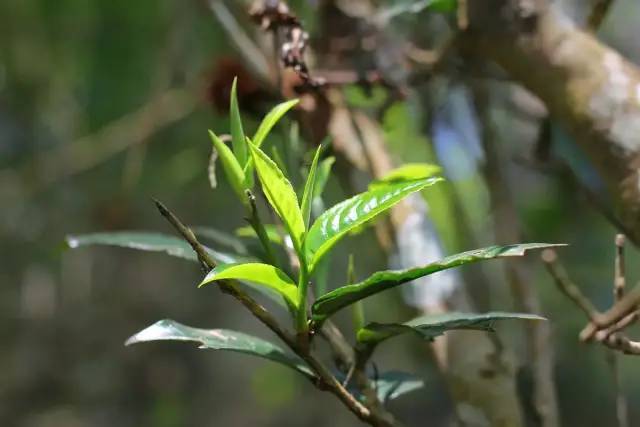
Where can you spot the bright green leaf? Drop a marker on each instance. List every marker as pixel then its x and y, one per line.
pixel 265 127
pixel 431 326
pixel 220 339
pixel 444 6
pixel 335 223
pixel 307 194
pixel 339 298
pixel 409 172
pixel 262 274
pixel 271 119
pixel 237 133
pixel 280 195
pixel 322 175
pixel 154 242
pixel 231 167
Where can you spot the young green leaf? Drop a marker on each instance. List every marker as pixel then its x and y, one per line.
pixel 271 119
pixel 237 133
pixel 408 172
pixel 280 195
pixel 154 242
pixel 262 274
pixel 265 127
pixel 231 167
pixel 432 326
pixel 322 175
pixel 444 6
pixel 335 223
pixel 339 298
pixel 309 186
pixel 220 339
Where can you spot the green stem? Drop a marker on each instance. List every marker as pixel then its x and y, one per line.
pixel 357 311
pixel 258 227
pixel 303 282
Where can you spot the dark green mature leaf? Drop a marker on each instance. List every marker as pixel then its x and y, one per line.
pixel 261 274
pixel 280 195
pixel 220 339
pixel 154 242
pixel 336 222
pixel 339 298
pixel 237 133
pixel 307 194
pixel 431 326
pixel 230 164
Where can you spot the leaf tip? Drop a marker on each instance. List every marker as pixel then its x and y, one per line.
pixel 71 242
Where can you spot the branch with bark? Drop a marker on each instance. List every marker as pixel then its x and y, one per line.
pixel 586 86
pixel 609 333
pixel 373 414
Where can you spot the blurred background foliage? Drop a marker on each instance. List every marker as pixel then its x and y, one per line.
pixel 105 104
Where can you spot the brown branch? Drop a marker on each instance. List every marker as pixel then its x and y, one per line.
pixel 605 328
pixel 326 380
pixel 619 281
pixel 277 18
pixel 559 275
pixel 576 76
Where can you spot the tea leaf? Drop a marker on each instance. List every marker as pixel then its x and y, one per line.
pixel 261 274
pixel 339 298
pixel 220 339
pixel 280 195
pixel 336 222
pixel 431 326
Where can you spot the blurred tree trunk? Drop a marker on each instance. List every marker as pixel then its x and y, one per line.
pixel 587 87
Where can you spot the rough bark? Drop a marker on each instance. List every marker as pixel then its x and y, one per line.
pixel 587 87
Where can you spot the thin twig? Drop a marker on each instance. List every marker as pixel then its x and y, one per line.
pixel 258 227
pixel 250 52
pixel 619 281
pixel 598 14
pixel 327 381
pixel 559 275
pixel 604 327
